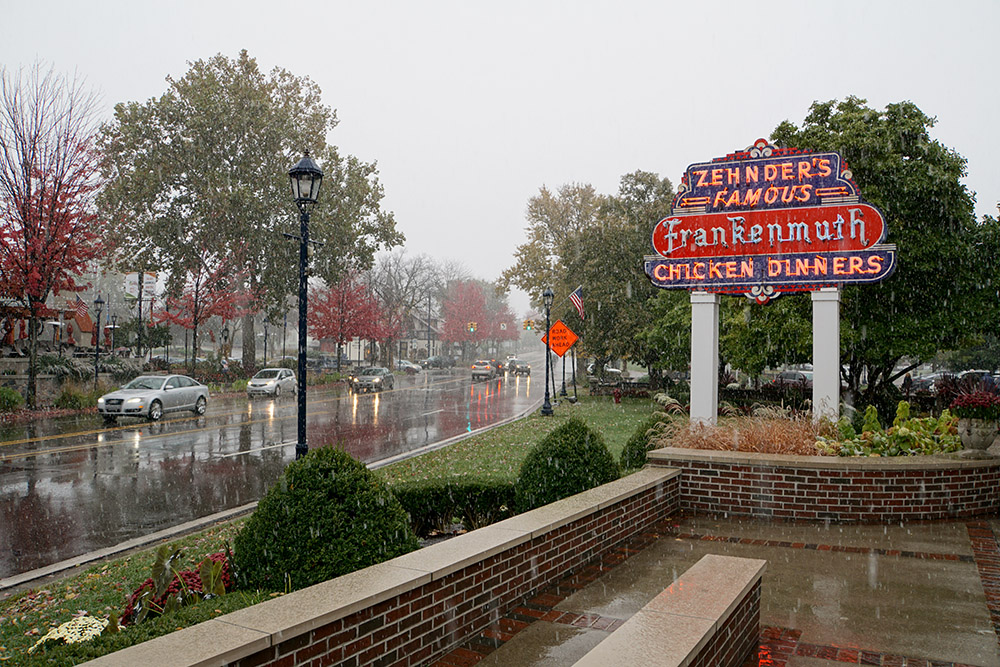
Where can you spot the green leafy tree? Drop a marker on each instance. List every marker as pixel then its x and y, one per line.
pixel 935 298
pixel 204 167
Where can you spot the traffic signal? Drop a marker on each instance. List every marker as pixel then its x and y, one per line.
pixel 529 325
pixel 472 326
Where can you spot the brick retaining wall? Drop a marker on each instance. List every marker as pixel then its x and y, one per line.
pixel 414 608
pixel 839 489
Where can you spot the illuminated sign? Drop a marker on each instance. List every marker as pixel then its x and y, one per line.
pixel 769 220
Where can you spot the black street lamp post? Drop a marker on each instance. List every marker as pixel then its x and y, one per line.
pixel 306 177
pixel 225 340
pixel 98 306
pixel 547 297
pixel 114 328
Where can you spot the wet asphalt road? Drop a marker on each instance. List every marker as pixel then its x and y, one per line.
pixel 70 486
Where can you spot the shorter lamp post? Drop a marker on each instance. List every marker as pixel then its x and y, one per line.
pixel 98 306
pixel 306 178
pixel 114 328
pixel 547 297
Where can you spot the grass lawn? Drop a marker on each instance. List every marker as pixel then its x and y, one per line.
pixel 103 588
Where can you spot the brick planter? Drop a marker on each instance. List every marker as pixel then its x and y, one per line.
pixel 838 489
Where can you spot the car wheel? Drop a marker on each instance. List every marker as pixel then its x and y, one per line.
pixel 277 391
pixel 155 411
pixel 199 406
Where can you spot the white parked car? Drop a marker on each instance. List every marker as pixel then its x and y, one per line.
pixel 151 396
pixel 272 382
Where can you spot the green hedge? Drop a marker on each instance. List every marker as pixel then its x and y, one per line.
pixel 436 505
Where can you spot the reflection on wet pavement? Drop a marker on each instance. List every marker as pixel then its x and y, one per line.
pixel 68 487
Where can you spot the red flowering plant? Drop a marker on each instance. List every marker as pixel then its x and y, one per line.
pixel 169 588
pixel 977 404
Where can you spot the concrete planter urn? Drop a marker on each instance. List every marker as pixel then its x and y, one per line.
pixel 977 434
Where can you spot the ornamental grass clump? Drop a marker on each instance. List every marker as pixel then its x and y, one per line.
pixel 570 459
pixel 979 404
pixel 326 516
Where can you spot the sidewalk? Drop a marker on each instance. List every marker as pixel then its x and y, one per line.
pixel 920 594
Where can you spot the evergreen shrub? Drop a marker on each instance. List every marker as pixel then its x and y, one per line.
pixel 327 515
pixel 570 459
pixel 634 451
pixel 10 399
pixel 437 504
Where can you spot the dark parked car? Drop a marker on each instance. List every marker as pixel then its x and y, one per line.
pixel 800 379
pixel 438 361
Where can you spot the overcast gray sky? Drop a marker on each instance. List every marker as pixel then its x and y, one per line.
pixel 470 107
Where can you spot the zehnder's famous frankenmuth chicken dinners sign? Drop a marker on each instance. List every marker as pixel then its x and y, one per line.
pixel 769 220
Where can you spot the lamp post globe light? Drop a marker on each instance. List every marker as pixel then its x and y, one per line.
pixel 98 306
pixel 547 297
pixel 225 339
pixel 306 177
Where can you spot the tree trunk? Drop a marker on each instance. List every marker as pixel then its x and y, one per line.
pixel 249 349
pixel 32 398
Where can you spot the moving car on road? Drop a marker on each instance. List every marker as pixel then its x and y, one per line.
pixel 271 382
pixel 521 367
pixel 151 396
pixel 374 378
pixel 438 361
pixel 482 369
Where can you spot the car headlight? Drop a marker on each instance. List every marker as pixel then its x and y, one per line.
pixel 377 380
pixel 133 401
pixel 100 402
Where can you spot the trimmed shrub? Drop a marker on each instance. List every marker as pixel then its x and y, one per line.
pixel 327 515
pixel 570 459
pixel 437 505
pixel 73 397
pixel 10 399
pixel 634 451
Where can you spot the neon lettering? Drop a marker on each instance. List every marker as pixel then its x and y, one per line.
pixel 694 271
pixel 716 177
pixel 855 264
pixel 770 172
pixel 701 177
pixel 753 174
pixel 719 196
pixel 857 219
pixel 733 175
pixel 875 264
pixel 734 199
pixel 820 264
pixel 773 268
pixel 714 271
pixel 746 268
pixel 770 195
pixel 838 266
pixel 787 171
pixel 731 270
pixel 787 195
pixel 752 197
pixel 803 191
pixel 804 170
pixel 824 166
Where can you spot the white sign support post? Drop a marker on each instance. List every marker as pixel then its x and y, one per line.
pixel 704 357
pixel 826 353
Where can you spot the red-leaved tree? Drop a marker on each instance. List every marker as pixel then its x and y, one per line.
pixel 214 287
pixel 464 303
pixel 49 179
pixel 343 312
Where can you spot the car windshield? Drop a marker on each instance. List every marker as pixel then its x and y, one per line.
pixel 373 371
pixel 266 374
pixel 144 382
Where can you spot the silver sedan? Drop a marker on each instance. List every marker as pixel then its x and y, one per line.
pixel 151 396
pixel 272 382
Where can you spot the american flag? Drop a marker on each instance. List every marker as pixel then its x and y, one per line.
pixel 576 296
pixel 81 307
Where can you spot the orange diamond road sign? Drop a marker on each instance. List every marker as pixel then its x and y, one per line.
pixel 561 338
